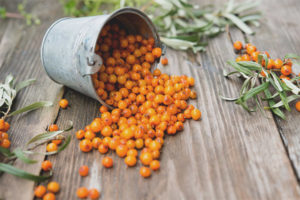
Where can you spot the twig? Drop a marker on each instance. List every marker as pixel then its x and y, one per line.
pixel 14 15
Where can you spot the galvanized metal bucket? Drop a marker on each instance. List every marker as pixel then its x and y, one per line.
pixel 68 48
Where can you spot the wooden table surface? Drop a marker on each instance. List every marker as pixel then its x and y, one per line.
pixel 229 154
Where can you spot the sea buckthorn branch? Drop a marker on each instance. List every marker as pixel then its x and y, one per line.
pixel 261 74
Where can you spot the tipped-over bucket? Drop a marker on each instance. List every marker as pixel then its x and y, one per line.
pixel 68 48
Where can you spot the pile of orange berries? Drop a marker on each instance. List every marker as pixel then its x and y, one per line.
pixel 146 104
pixel 52 187
pixel 4 140
pixel 83 192
pixel 249 52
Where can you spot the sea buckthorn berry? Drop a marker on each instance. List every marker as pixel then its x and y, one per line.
pixel 238 45
pixel 103 148
pixel 164 61
pixel 298 106
pixel 121 150
pixel 49 196
pixel 286 70
pixel 63 103
pixel 53 187
pixel 146 158
pixel 132 152
pixel 156 52
pixel 96 142
pixel 196 114
pixel 130 161
pixel 82 192
pixel 103 109
pixel 83 170
pixel 107 162
pixel 155 165
pixel 250 49
pixel 89 135
pixel 106 131
pixel 80 134
pixel 278 63
pixel 5 143
pixel 40 191
pixel 96 126
pixel 2 124
pixel 246 57
pixel 57 142
pixel 149 58
pixel 271 64
pixel 51 147
pixel 154 145
pixel 94 194
pixel 53 127
pixel 85 145
pixel 6 126
pixel 171 130
pixel 238 59
pixel 139 143
pixel 254 56
pixel 46 165
pixel 145 172
pixel 3 135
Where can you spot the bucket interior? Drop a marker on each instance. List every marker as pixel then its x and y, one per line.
pixel 133 22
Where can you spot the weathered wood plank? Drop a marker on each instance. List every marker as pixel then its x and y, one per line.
pixel 279 35
pixel 20 56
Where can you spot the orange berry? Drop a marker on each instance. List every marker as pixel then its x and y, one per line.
pixel 196 114
pixel 127 133
pixel 121 150
pixel 107 162
pixel 53 187
pixel 171 130
pixel 57 142
pixel 278 63
pixel 132 152
pixel 155 165
pixel 271 63
pixel 3 135
pixel 82 192
pixel 46 165
pixel 106 131
pixel 2 124
pixel 139 143
pixel 5 143
pixel 145 172
pixel 238 45
pixel 89 135
pixel 149 57
pixel 49 196
pixel 238 59
pixel 154 145
pixel 85 145
pixel 286 70
pixel 246 57
pixel 40 191
pixel 80 134
pixel 156 52
pixel 96 142
pixel 96 126
pixel 51 147
pixel 130 161
pixel 63 103
pixel 103 148
pixel 254 56
pixel 250 49
pixel 164 61
pixel 83 170
pixel 298 106
pixel 53 127
pixel 94 194
pixel 146 158
pixel 103 109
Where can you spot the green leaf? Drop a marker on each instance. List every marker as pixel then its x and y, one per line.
pixel 6 152
pixel 250 65
pixel 31 107
pixel 239 23
pixel 21 173
pixel 292 56
pixel 293 87
pixel 271 102
pixel 19 153
pixel 24 84
pixel 226 74
pixel 254 91
pixel 48 135
pixel 228 98
pixel 62 147
pixel 240 68
pixel 289 99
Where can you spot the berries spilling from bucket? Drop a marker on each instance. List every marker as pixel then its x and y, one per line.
pixel 147 105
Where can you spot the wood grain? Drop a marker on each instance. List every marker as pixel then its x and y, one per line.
pixel 279 35
pixel 229 154
pixel 20 56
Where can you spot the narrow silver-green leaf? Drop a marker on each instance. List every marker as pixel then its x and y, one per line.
pixel 24 84
pixel 239 23
pixel 254 91
pixel 31 107
pixel 19 154
pixel 21 173
pixel 289 99
pixel 291 56
pixel 250 65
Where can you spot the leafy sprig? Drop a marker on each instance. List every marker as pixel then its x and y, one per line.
pixel 8 92
pixel 21 154
pixel 278 93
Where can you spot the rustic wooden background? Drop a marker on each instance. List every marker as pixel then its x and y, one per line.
pixel 229 154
